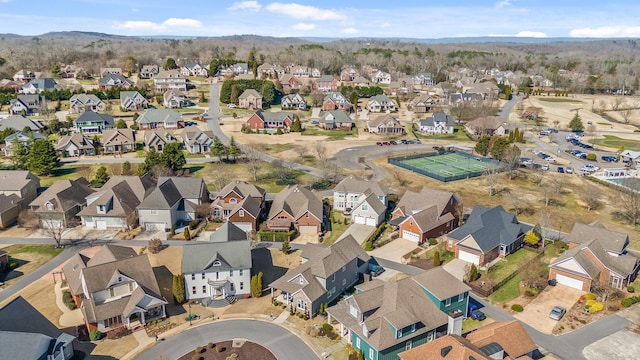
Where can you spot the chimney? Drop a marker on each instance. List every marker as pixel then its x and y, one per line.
pixel 455 322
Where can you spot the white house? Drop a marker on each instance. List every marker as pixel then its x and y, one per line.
pixel 369 210
pixel 381 77
pixel 349 193
pixel 628 157
pixel 217 271
pixel 439 123
pixel 381 103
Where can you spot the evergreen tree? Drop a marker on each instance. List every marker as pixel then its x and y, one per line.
pixel 55 70
pixel 213 67
pixel 19 154
pixel 152 159
pixel 101 177
pixel 499 146
pixel 42 159
pixel 120 124
pixel 186 233
pixel 178 289
pixel 170 64
pixel 436 258
pixel 576 123
pixel 172 156
pixel 234 94
pixel 296 126
pixel 233 151
pixel 259 284
pixel 473 273
pixel 482 146
pixel 286 248
pixel 253 287
pixel 218 150
pixel 126 168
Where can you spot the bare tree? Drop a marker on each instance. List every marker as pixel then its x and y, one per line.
pixel 399 176
pixel 518 203
pixel 547 191
pixel 626 114
pixel 629 201
pixel 55 227
pixel 204 211
pixel 617 102
pixel 591 195
pixel 221 177
pixel 491 178
pixel 544 222
pixel 28 219
pixel 253 159
pixel 537 175
pixel 511 158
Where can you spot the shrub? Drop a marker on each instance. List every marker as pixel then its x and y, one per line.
pixel 517 307
pixel 473 273
pixel 172 231
pixel 192 225
pixel 436 258
pixel 68 300
pixel 95 335
pixel 630 301
pixel 199 350
pixel 590 303
pixel 134 127
pixel 187 234
pixel 631 289
pixel 154 245
pixel 596 307
pixel 591 157
pixel 368 246
pixel 327 328
pixel 433 241
pixel 589 296
pixel 178 289
pixel 286 248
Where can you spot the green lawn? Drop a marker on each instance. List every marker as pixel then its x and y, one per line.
pixel 458 135
pixel 331 133
pixel 508 265
pixel 469 324
pixel 507 292
pixel 32 249
pixel 337 229
pixel 557 99
pixel 445 255
pixel 614 142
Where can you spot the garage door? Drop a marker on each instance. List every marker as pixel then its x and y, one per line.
pixel 51 224
pixel 371 222
pixel 244 226
pixel 154 226
pixel 308 229
pixel 570 282
pixel 410 236
pixel 469 257
pixel 101 224
pixel 359 219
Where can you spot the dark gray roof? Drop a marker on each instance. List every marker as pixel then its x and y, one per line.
pixel 8 201
pixel 228 232
pixel 20 316
pixel 199 257
pixel 438 117
pixel 90 116
pixel 164 196
pixel 274 116
pixel 491 227
pixel 610 240
pixel 63 195
pixel 44 84
pixel 19 122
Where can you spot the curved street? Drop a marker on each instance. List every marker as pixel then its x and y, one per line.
pixel 281 342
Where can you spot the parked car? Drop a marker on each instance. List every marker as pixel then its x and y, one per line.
pixel 379 143
pixel 590 168
pixel 543 133
pixel 569 170
pixel 375 270
pixel 417 141
pixel 393 142
pixel 609 158
pixel 474 313
pixel 404 141
pixel 550 159
pixel 385 143
pixel 545 167
pixel 561 169
pixel 231 105
pixel 526 161
pixel 557 313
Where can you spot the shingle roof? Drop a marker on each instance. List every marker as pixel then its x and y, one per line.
pixel 355 184
pixel 250 92
pixel 124 193
pixel 200 257
pixel 487 122
pixel 243 189
pixel 448 347
pixel 154 136
pixel 296 201
pixel 440 283
pixel 118 137
pixel 374 202
pixel 335 116
pixel 250 205
pixel 16 179
pixel 228 232
pixel 159 116
pixel 610 240
pixel 274 116
pixel 84 98
pixel 80 141
pixel 511 335
pixel 91 116
pixel 19 122
pixel 412 202
pixel 44 84
pixel 63 195
pixel 386 121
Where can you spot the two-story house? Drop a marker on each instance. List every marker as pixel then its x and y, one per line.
pixel 169 79
pixel 294 101
pixel 422 103
pixel 173 201
pixel 386 125
pixel 335 119
pixel 250 99
pixel 93 123
pixel 149 71
pixel 174 98
pixel 17 189
pixel 347 194
pixel 19 123
pixel 80 103
pixel 115 288
pixel 26 104
pixel 439 123
pixel 217 271
pixel 58 206
pixel 157 139
pixel 20 137
pixel 381 103
pixel 110 81
pixel 326 83
pixel 194 69
pixel 336 101
pixel 194 140
pixel 36 86
pixel 132 101
pixel 325 273
pixel 296 207
pixel 240 203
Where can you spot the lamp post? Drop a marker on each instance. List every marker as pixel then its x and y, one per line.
pixel 190 316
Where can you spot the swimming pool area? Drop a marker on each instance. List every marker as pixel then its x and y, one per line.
pixel 632 183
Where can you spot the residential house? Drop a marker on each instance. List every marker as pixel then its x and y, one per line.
pixel 487 234
pixel 629 158
pixel 72 71
pixel 169 79
pixel 250 99
pixel 20 137
pixel 26 105
pixel 381 77
pixel 300 71
pixel 400 87
pixel 21 183
pixel 157 139
pixel 422 103
pixel 172 202
pixel 149 71
pixel 465 99
pixel 36 86
pixel 336 101
pixel 448 347
pixel 325 273
pixel 132 101
pixel 194 69
pixel 93 123
pixel 596 256
pixel 24 76
pixel 427 214
pixel 361 81
pixel 9 211
pixel 423 79
pixel 240 68
pixel 111 81
pixel 10 85
pixel 113 206
pixel 27 334
pixel 369 210
pixel 349 191
pixel 270 71
pixel 296 207
pixel 487 89
pixel 58 206
pixel 115 288
pixel 196 141
pixel 381 103
pixel 326 83
pixel 382 319
pixel 233 198
pixel 289 82
pixel 386 124
pixel 487 125
pixel 80 103
pixel 438 123
pixel 335 119
pixel 294 101
pixel 118 141
pixel 160 119
pixel 110 70
pixel 75 145
pixel 19 122
pixel 174 98
pixel 348 74
pixel 218 270
pixel 269 121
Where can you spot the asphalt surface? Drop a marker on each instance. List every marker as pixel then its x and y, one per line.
pixel 280 341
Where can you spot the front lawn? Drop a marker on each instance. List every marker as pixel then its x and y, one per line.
pixel 507 266
pixel 458 135
pixel 27 258
pixel 445 255
pixel 337 228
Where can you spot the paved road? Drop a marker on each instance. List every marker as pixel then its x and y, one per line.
pixel 282 343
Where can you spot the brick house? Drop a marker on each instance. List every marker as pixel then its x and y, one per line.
pixel 296 207
pixel 263 121
pixel 250 99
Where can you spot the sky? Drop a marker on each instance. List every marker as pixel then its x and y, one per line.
pixel 427 19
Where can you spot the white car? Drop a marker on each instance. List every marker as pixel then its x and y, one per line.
pixel 569 170
pixel 550 159
pixel 231 105
pixel 590 168
pixel 545 167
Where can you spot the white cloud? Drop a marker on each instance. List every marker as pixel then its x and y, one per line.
pixel 169 24
pixel 384 24
pixel 607 32
pixel 349 31
pixel 533 34
pixel 303 27
pixel 245 5
pixel 503 3
pixel 135 10
pixel 304 11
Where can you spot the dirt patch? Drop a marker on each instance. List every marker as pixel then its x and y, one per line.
pixel 115 349
pixel 170 257
pixel 225 350
pixel 41 296
pixel 261 305
pixel 288 261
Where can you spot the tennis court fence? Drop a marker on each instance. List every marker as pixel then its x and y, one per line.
pixel 439 175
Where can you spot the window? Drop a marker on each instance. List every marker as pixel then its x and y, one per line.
pixel 193 290
pixel 407 345
pixel 204 289
pixel 333 277
pixel 241 285
pixel 230 272
pixel 193 276
pixel 365 207
pixel 153 212
pixel 413 327
pixel 344 268
pixel 202 276
pixel 411 222
pixel 460 297
pixel 371 354
pixel 241 213
pixel 447 302
pixel 232 200
pixel 398 334
pixel 358 343
pixel 130 286
pixel 240 272
pixel 344 282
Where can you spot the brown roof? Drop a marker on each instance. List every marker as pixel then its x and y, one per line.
pixel 16 179
pixel 449 347
pixel 429 219
pixel 250 92
pixel 386 121
pixel 355 184
pixel 413 201
pixel 121 193
pixel 243 189
pixel 118 137
pixel 81 141
pixel 486 122
pixel 110 253
pixel 440 283
pixel 296 201
pixel 511 335
pixel 610 240
pixel 72 270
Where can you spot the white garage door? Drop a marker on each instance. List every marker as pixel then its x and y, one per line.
pixel 244 226
pixel 371 222
pixel 154 226
pixel 469 257
pixel 308 229
pixel 51 224
pixel 101 224
pixel 359 219
pixel 570 282
pixel 410 236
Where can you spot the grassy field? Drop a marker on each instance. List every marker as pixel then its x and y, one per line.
pixel 458 135
pixel 507 292
pixel 508 265
pixel 29 257
pixel 557 99
pixel 615 142
pixel 333 134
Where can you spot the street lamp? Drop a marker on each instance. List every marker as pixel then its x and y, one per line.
pixel 190 315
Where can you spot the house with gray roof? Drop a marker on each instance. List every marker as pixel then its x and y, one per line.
pixel 132 101
pixel 24 138
pixel 160 119
pixel 174 98
pixel 75 145
pixel 488 234
pixel 194 140
pixel 26 105
pixel 335 119
pixel 336 101
pixel 382 319
pixel 80 103
pixel 296 207
pixel 19 122
pixel 93 123
pixel 218 270
pixel 17 189
pixel 350 190
pixel 233 199
pixel 58 205
pixel 27 334
pixel 9 211
pixel 172 202
pixel 195 69
pixel 36 86
pixel 325 273
pixel 110 81
pixel 157 139
pixel 294 101
pixel 381 103
pixel 369 210
pixel 439 123
pixel 596 255
pixel 149 71
pixel 114 205
pixel 115 288
pixel 269 121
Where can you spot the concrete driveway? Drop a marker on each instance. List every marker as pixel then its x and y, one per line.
pixel 536 314
pixel 458 268
pixel 623 344
pixel 359 232
pixel 394 250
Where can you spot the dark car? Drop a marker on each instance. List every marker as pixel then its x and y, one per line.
pixel 417 141
pixel 609 158
pixel 560 169
pixel 385 143
pixel 393 142
pixel 404 141
pixel 379 143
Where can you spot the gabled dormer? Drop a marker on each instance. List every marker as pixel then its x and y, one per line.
pixel 299 279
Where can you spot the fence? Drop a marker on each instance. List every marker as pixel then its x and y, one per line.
pixel 398 161
pixel 485 291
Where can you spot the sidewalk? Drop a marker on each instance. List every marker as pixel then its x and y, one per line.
pixel 69 317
